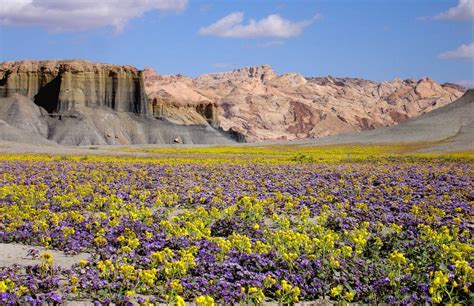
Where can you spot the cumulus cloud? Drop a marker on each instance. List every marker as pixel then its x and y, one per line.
pixel 271 26
pixel 464 51
pixel 77 15
pixel 464 11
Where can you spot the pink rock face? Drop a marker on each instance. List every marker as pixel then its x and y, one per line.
pixel 260 104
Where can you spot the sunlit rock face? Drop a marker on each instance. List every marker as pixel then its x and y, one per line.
pixel 173 98
pixel 262 105
pixel 60 86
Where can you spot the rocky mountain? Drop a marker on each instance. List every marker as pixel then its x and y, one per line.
pixel 85 103
pixel 76 102
pixel 262 105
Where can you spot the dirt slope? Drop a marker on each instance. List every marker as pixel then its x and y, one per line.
pixel 449 128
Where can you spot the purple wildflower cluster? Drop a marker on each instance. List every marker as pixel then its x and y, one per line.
pixel 397 233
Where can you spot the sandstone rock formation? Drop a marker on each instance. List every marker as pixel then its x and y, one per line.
pixel 172 97
pixel 261 105
pixel 84 103
pixel 59 86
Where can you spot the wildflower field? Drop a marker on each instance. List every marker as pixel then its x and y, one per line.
pixel 242 226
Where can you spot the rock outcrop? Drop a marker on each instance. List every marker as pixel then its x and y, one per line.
pixel 83 103
pixel 172 97
pixel 261 105
pixel 60 86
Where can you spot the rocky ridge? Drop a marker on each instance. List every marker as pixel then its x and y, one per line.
pixel 80 103
pixel 261 105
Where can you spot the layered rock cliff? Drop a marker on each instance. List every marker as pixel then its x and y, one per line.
pixel 60 86
pixel 261 105
pixel 84 103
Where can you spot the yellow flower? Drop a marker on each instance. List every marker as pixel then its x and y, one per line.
pixel 349 296
pixel 180 301
pixel 398 258
pixel 346 251
pixel 334 263
pixel 22 290
pixel 127 271
pixel 100 241
pixel 285 286
pixel 47 259
pixel 83 263
pixel 336 291
pixel 73 279
pixel 205 300
pixel 148 276
pixel 253 290
pixel 3 287
pixel 296 290
pixel 176 285
pixel 256 294
pixel 465 289
pixel 269 281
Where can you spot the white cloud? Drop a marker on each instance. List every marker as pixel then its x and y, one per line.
pixel 464 51
pixel 270 26
pixel 71 15
pixel 464 11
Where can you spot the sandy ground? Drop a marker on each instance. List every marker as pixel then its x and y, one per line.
pixel 13 253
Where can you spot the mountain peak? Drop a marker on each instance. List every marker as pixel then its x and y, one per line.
pixel 263 72
pixel 260 73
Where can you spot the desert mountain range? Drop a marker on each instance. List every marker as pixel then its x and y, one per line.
pixel 262 105
pixel 74 102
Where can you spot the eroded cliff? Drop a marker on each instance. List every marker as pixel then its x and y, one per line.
pixel 172 97
pixel 60 86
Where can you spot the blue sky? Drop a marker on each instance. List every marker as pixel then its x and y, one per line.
pixel 377 40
